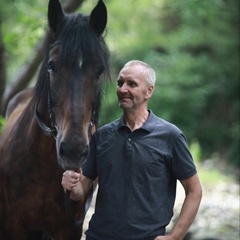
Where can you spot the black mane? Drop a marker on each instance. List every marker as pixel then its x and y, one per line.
pixel 79 41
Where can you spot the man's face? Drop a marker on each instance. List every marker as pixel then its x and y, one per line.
pixel 132 88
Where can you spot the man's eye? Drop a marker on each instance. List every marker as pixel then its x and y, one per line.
pixel 132 84
pixel 119 83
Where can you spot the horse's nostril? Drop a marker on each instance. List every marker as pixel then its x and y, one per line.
pixel 71 151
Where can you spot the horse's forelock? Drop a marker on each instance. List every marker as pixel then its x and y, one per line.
pixel 80 42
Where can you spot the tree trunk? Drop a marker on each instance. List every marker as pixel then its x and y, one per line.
pixel 2 64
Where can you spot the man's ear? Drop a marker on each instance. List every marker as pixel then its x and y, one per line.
pixel 149 91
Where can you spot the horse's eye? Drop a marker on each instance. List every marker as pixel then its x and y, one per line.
pixel 100 76
pixel 51 67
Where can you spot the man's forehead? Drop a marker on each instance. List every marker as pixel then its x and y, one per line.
pixel 125 76
pixel 135 68
pixel 130 71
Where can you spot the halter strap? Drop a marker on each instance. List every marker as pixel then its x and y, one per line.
pixel 48 131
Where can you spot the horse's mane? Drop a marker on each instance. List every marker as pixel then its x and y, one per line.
pixel 78 41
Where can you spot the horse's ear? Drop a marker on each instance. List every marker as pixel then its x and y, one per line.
pixel 55 14
pixel 98 18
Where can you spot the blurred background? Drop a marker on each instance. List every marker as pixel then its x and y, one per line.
pixel 194 48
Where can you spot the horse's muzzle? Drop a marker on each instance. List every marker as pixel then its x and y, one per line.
pixel 72 156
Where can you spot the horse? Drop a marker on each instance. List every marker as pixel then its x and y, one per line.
pixel 48 128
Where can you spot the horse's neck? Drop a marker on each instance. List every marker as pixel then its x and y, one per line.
pixel 22 127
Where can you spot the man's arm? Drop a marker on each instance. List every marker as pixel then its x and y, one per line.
pixel 193 192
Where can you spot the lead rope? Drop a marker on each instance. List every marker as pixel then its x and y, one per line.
pixel 70 217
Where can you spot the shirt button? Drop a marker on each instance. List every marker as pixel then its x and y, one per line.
pixel 129 139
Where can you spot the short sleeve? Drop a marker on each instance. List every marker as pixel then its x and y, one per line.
pixel 182 161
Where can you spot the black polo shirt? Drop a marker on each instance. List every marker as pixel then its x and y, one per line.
pixel 137 173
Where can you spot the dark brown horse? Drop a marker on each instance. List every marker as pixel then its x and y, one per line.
pixel 47 129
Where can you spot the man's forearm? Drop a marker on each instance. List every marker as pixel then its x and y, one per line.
pixel 77 193
pixel 83 186
pixel 187 214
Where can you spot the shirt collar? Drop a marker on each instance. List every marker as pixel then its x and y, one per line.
pixel 149 125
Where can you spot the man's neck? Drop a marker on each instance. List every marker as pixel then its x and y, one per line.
pixel 135 119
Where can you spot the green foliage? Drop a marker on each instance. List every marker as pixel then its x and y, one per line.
pixel 210 178
pixel 24 23
pixel 2 124
pixel 196 151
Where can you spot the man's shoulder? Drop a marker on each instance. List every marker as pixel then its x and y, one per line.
pixel 166 126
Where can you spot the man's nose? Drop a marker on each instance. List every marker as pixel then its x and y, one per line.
pixel 123 88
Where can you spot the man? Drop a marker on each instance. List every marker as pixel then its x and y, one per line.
pixel 137 159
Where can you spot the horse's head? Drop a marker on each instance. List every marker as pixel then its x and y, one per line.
pixel 78 57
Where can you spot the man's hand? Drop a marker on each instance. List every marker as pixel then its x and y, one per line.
pixel 77 183
pixel 70 179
